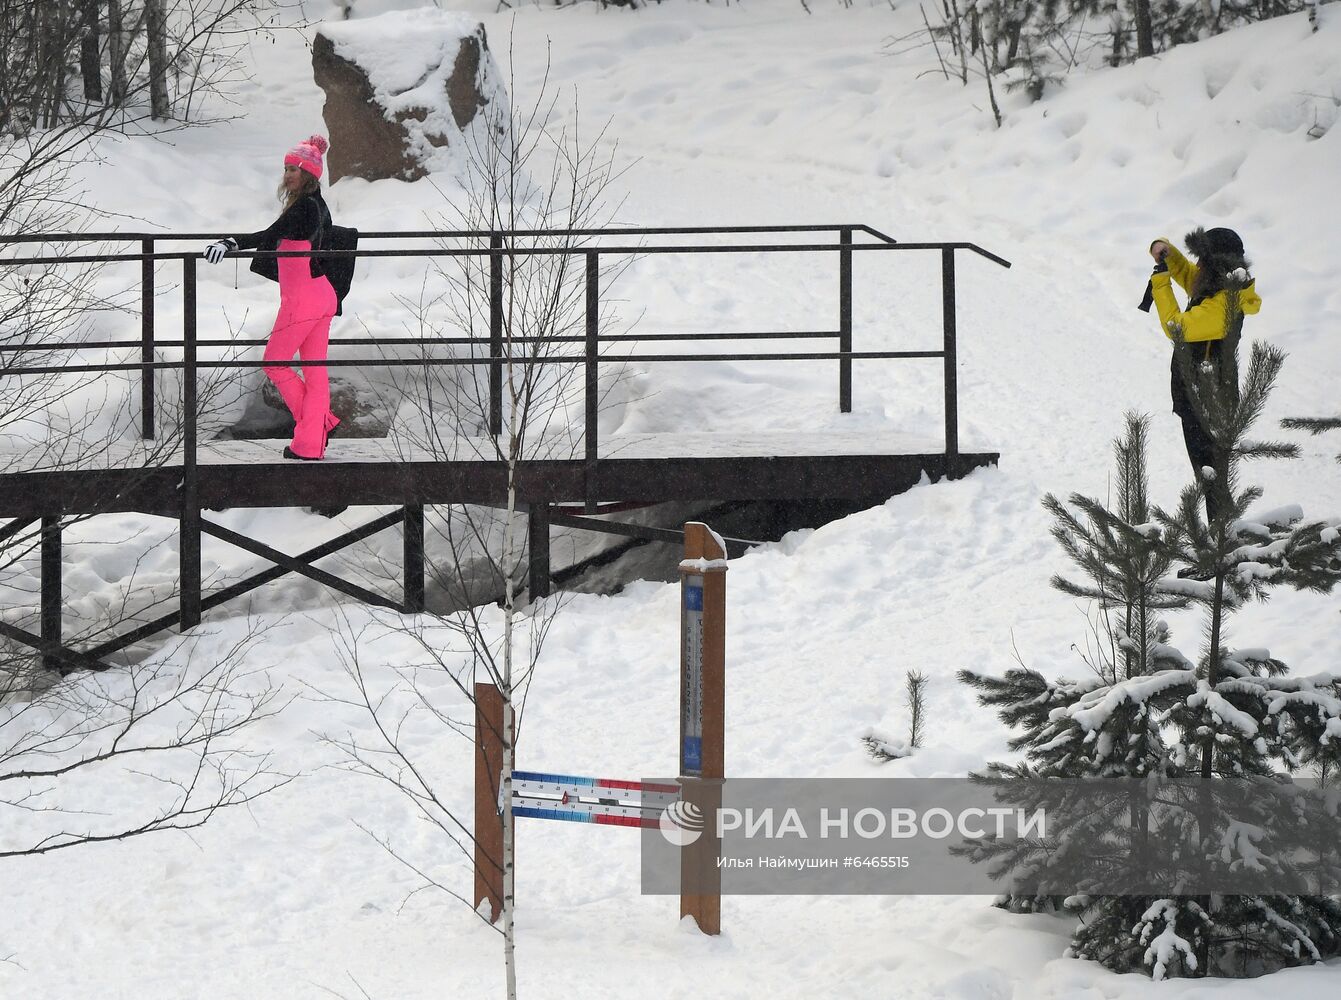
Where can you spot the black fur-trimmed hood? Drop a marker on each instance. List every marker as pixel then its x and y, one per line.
pixel 1220 258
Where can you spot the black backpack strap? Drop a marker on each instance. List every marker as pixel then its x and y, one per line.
pixel 314 265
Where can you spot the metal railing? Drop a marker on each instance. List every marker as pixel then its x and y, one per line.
pixel 506 244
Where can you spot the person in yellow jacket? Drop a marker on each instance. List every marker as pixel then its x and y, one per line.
pixel 1220 266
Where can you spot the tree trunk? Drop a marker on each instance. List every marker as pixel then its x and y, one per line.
pixel 1145 35
pixel 157 29
pixel 43 43
pixel 1205 822
pixel 1013 45
pixel 960 47
pixel 1212 20
pixel 509 837
pixel 991 91
pixel 90 65
pixel 116 54
pixel 509 715
pixel 55 32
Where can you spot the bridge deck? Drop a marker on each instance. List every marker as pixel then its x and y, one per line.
pixel 647 467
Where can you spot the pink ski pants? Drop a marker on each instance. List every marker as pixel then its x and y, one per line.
pixel 303 326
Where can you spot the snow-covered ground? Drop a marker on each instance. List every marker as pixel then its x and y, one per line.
pixel 746 114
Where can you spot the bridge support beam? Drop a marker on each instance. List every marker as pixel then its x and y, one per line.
pixel 414 558
pixel 188 563
pixel 537 533
pixel 51 592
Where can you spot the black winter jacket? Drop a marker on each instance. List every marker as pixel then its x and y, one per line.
pixel 302 220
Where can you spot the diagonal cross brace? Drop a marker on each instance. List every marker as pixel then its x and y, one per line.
pixel 297 564
pixel 15 526
pixel 311 555
pixel 54 650
pixel 734 546
pixel 249 583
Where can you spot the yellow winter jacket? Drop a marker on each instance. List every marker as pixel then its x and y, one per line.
pixel 1203 321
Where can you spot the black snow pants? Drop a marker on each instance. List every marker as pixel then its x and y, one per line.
pixel 1201 448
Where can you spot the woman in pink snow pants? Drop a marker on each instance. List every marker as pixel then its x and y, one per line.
pixel 307 302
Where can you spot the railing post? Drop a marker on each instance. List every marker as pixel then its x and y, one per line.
pixel 845 321
pixel 147 339
pixel 51 592
pixel 495 334
pixel 414 558
pixel 592 388
pixel 951 379
pixel 189 522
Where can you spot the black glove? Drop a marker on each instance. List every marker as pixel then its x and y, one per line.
pixel 1148 299
pixel 215 251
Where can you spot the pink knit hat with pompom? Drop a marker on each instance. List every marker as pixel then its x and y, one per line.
pixel 307 154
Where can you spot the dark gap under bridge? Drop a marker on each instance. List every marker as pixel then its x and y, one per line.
pixel 189 478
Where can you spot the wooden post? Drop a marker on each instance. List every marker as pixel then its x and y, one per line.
pixel 702 716
pixel 488 817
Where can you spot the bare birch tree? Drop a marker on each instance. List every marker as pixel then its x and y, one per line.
pixel 168 729
pixel 532 188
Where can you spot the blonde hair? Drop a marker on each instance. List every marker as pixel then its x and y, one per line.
pixel 310 185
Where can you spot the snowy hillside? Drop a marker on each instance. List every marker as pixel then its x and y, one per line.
pixel 743 114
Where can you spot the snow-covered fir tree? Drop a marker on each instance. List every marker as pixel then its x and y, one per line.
pixel 1230 725
pixel 1122 565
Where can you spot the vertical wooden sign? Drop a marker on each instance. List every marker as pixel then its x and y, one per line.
pixel 488 819
pixel 702 716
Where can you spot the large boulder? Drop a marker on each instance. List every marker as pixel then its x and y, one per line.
pixel 403 92
pixel 362 413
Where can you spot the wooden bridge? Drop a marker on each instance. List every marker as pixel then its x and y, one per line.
pixel 183 479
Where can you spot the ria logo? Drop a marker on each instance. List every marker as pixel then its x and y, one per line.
pixel 681 823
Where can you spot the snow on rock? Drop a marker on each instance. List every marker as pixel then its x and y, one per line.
pixel 403 92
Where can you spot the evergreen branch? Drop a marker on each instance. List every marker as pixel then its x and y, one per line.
pixel 1314 425
pixel 1266 449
